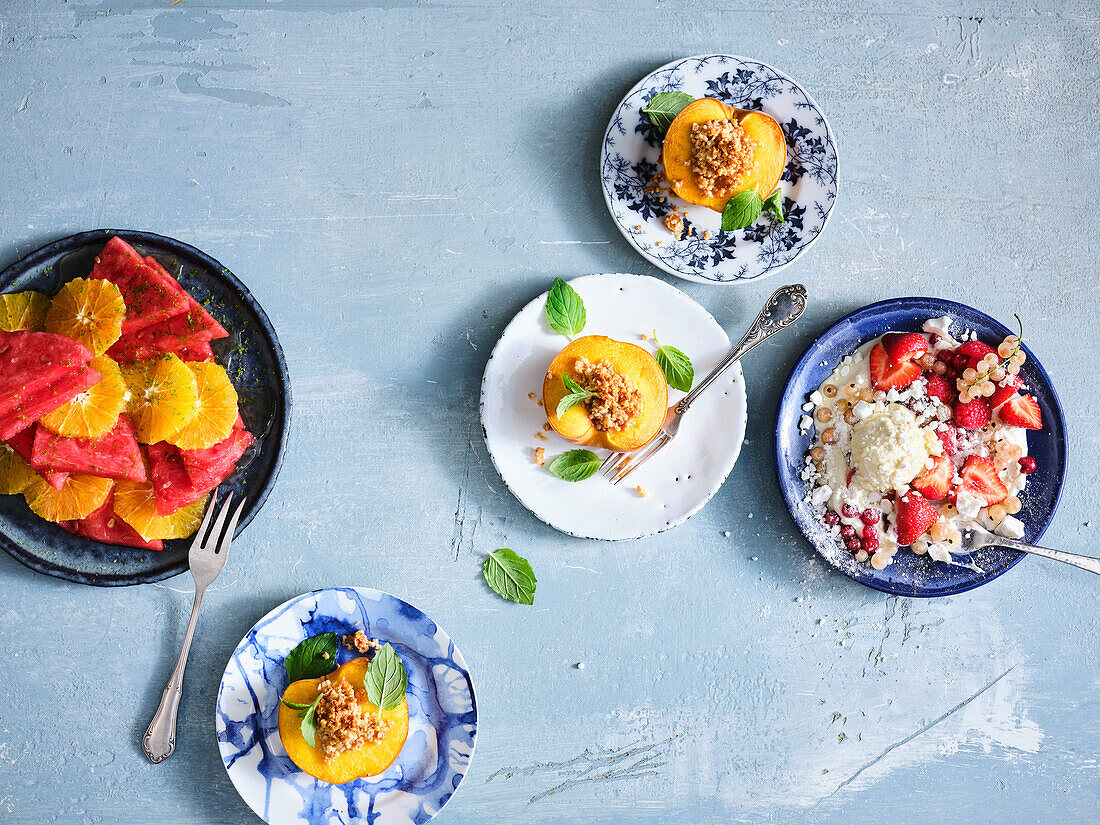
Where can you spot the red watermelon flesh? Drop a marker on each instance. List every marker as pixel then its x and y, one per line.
pixel 46 400
pixel 30 361
pixel 185 331
pixel 199 352
pixel 193 305
pixel 23 444
pixel 149 297
pixel 172 486
pixel 103 525
pixel 115 455
pixel 210 467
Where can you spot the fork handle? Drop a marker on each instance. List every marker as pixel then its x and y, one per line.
pixel 782 309
pixel 1084 562
pixel 160 738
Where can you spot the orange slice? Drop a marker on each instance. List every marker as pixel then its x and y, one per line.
pixel 136 505
pixel 23 310
pixel 94 412
pixel 89 310
pixel 217 410
pixel 15 473
pixel 81 495
pixel 164 397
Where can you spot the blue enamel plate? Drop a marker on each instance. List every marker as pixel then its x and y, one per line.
pixel 252 356
pixel 442 715
pixel 910 574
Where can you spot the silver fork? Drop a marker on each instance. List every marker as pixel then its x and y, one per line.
pixel 780 311
pixel 975 538
pixel 206 559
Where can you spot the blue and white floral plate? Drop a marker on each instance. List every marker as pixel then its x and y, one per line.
pixel 632 157
pixel 442 715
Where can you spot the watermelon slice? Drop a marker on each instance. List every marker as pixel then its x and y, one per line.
pixel 149 297
pixel 199 352
pixel 192 305
pixel 30 361
pixel 185 331
pixel 103 525
pixel 210 467
pixel 47 399
pixel 23 444
pixel 172 486
pixel 115 455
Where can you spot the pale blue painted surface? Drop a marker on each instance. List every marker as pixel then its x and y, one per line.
pixel 394 180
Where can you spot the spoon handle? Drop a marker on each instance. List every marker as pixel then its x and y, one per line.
pixel 1084 562
pixel 781 310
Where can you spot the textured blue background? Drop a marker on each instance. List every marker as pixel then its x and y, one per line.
pixel 393 180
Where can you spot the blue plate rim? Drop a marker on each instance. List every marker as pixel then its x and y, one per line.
pixel 787 487
pixel 35 259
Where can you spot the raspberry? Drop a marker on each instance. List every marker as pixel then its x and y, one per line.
pixel 937 387
pixel 972 415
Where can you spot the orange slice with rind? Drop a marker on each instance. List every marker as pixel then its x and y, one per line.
pixel 136 504
pixel 81 495
pixel 217 409
pixel 23 311
pixel 88 310
pixel 164 397
pixel 15 473
pixel 94 412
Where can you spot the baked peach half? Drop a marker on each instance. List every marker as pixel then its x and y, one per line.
pixel 368 759
pixel 762 172
pixel 631 394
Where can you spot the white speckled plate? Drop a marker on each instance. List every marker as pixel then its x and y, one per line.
pixel 680 479
pixel 631 156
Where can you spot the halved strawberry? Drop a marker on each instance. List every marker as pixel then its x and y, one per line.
pixel 980 478
pixel 975 351
pixel 913 515
pixel 948 437
pixel 972 415
pixel 904 346
pixel 1005 390
pixel 888 375
pixel 1022 411
pixel 939 388
pixel 935 483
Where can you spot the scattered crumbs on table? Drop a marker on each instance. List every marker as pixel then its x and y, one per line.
pixel 755 558
pixel 531 395
pixel 726 533
pixel 579 665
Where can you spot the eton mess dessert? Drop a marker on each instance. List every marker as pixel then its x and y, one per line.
pixel 917 436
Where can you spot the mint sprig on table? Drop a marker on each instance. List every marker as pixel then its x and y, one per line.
pixel 564 309
pixel 386 680
pixel 575 465
pixel 576 395
pixel 510 576
pixel 312 658
pixel 662 108
pixel 676 366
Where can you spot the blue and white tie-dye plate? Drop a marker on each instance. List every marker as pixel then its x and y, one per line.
pixel 442 714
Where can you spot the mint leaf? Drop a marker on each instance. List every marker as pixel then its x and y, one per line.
pixel 564 309
pixel 676 366
pixel 386 679
pixel 309 723
pixel 774 205
pixel 575 465
pixel 576 395
pixel 510 576
pixel 297 705
pixel 309 660
pixel 741 210
pixel 662 108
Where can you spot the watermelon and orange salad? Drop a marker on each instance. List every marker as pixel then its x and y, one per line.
pixel 116 421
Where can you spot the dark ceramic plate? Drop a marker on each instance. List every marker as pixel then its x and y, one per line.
pixel 252 356
pixel 910 574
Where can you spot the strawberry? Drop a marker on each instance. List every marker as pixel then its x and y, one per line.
pixel 904 346
pixel 948 437
pixel 939 388
pixel 935 483
pixel 1022 411
pixel 972 415
pixel 975 351
pixel 887 375
pixel 1005 390
pixel 980 478
pixel 913 515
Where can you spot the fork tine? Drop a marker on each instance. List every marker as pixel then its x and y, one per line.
pixel 607 466
pixel 216 530
pixel 648 455
pixel 227 536
pixel 201 532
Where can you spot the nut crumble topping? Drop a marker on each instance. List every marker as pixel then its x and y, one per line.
pixel 359 641
pixel 721 153
pixel 540 455
pixel 342 725
pixel 674 223
pixel 617 398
